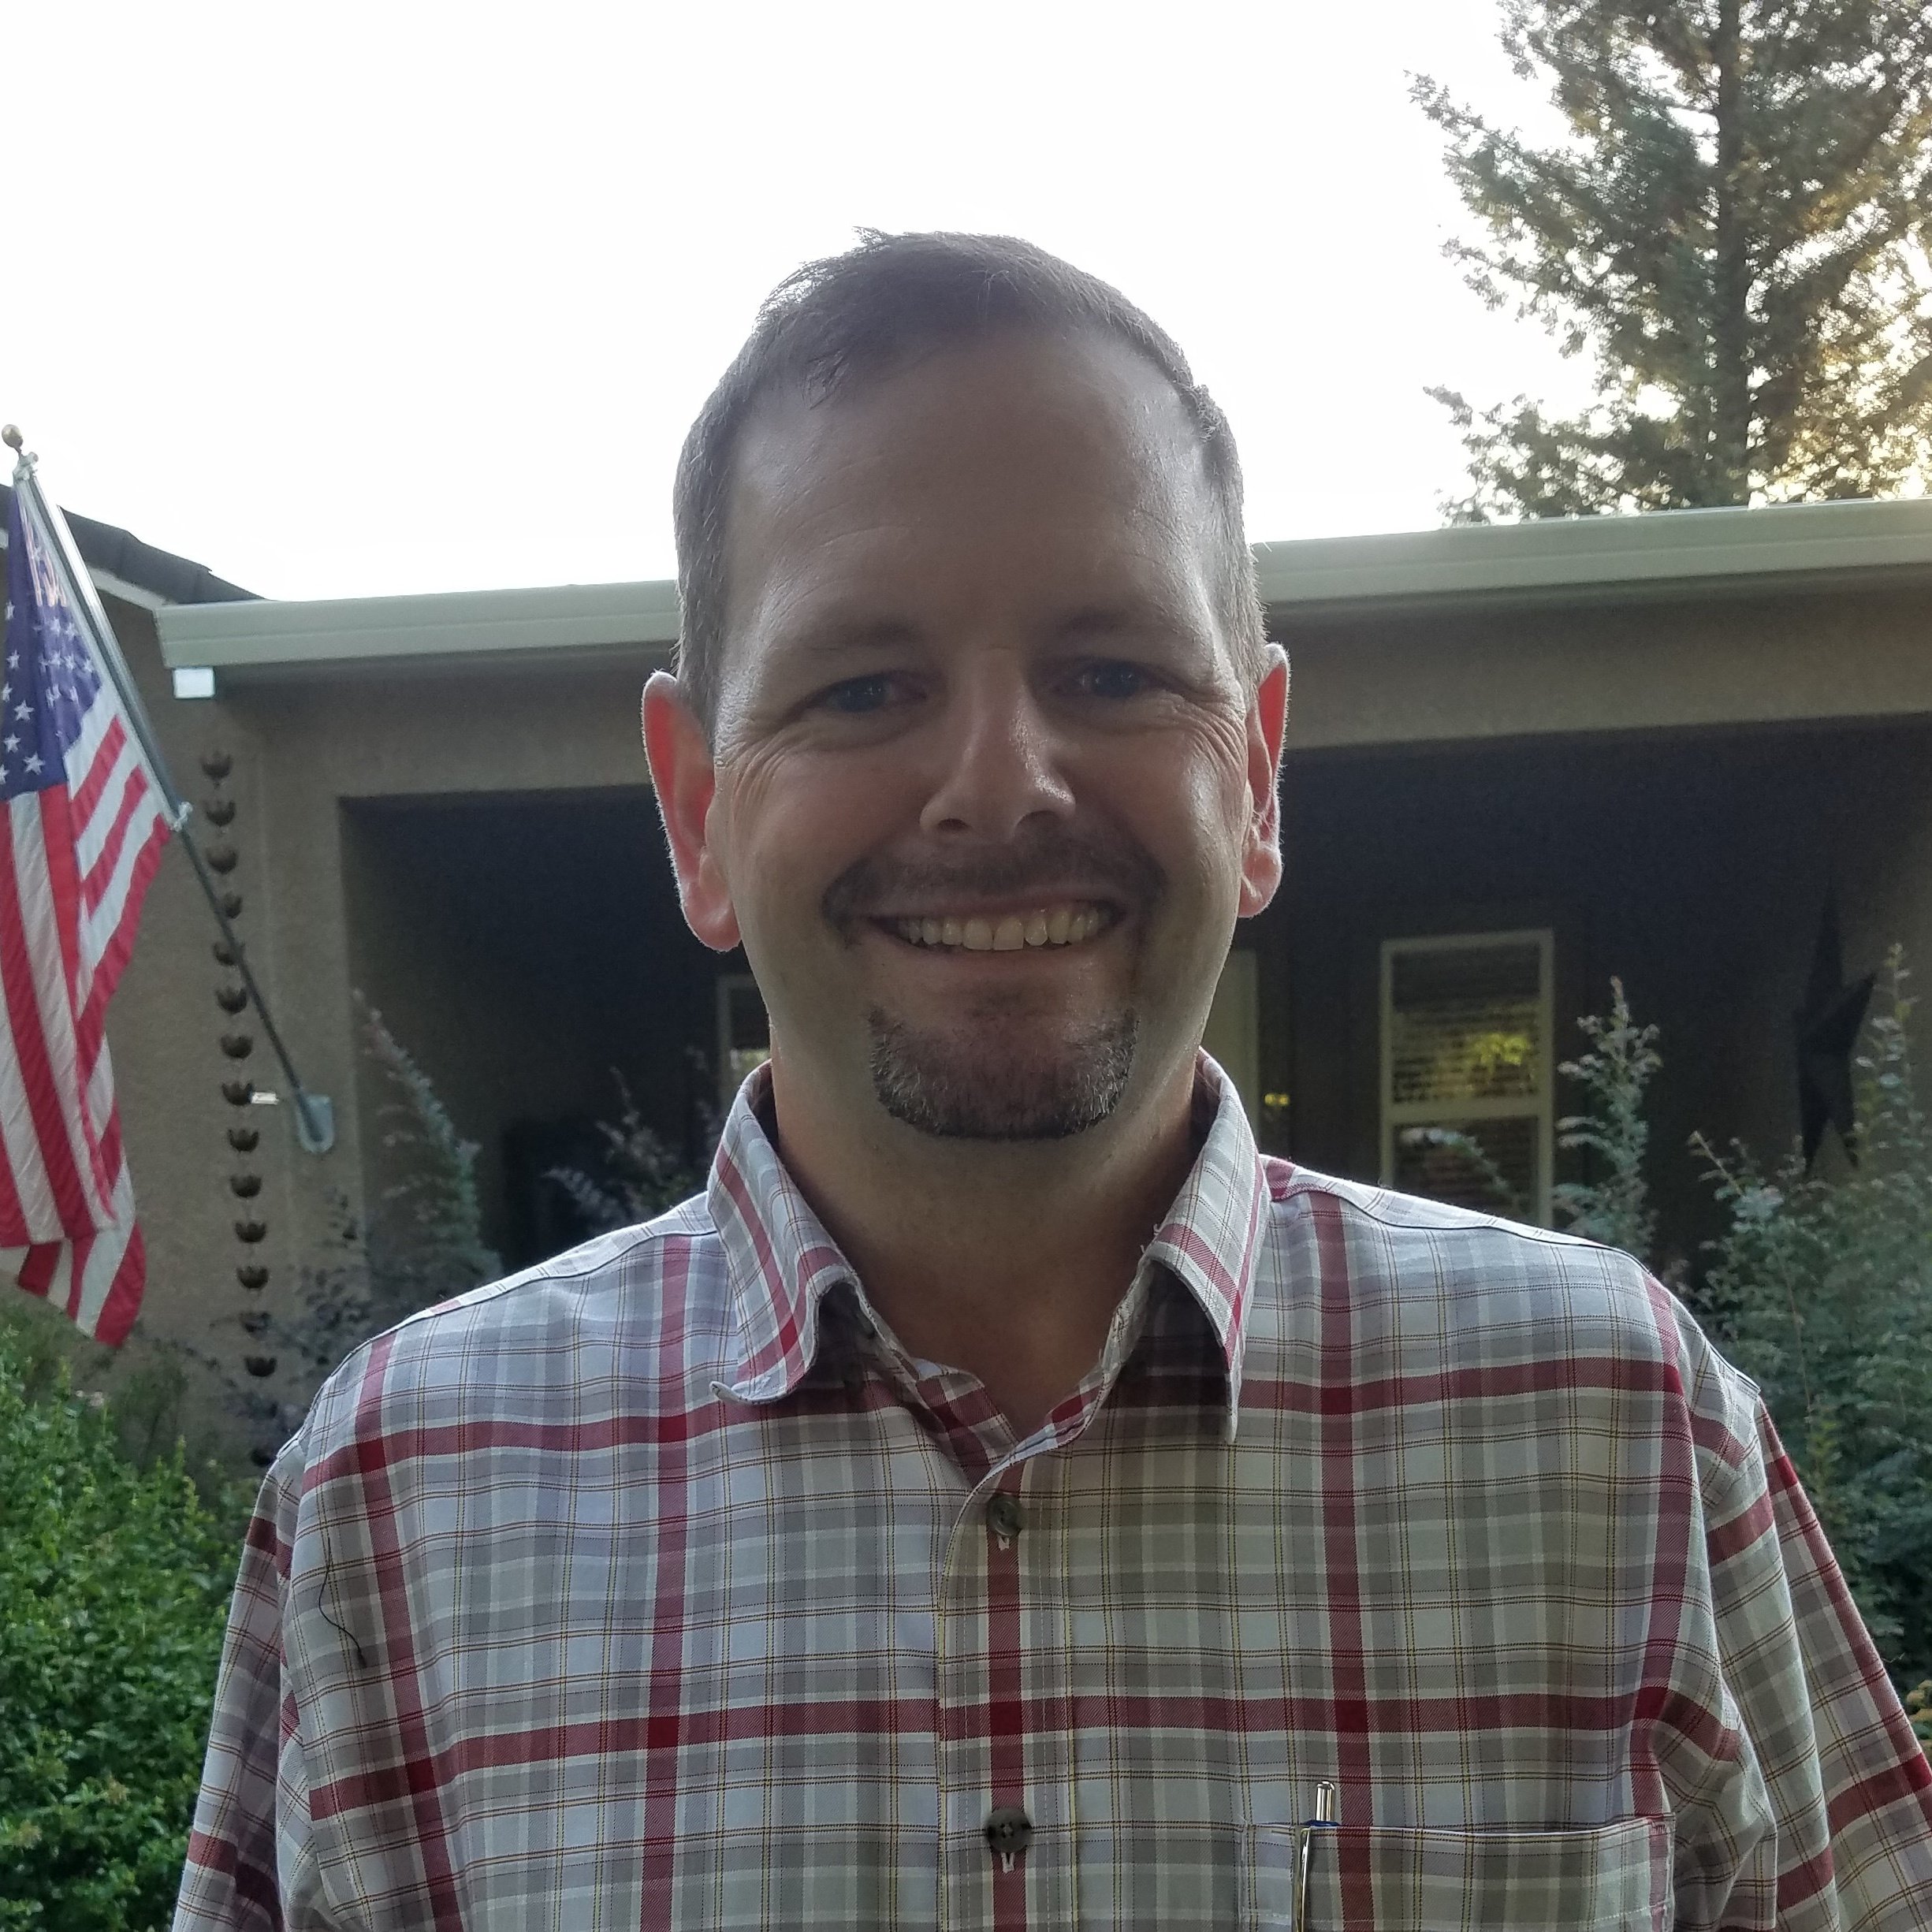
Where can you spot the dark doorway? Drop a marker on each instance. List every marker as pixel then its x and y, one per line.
pixel 528 951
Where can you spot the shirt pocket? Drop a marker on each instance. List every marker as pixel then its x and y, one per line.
pixel 1371 1878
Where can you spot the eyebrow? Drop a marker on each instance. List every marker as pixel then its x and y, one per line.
pixel 1130 616
pixel 836 632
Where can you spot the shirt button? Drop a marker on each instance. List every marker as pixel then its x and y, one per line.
pixel 1005 1517
pixel 1009 1831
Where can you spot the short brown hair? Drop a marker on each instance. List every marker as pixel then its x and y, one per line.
pixel 867 310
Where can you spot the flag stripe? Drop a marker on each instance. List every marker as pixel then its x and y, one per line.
pixel 96 751
pixel 98 872
pixel 107 933
pixel 46 1050
pixel 56 849
pixel 84 835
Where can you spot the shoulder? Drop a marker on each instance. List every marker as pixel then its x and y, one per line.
pixel 577 1336
pixel 1475 1288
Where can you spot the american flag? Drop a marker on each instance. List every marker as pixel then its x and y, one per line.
pixel 84 827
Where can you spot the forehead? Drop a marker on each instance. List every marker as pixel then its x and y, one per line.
pixel 1024 457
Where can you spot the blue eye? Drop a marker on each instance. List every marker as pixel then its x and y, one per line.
pixel 857 696
pixel 1114 679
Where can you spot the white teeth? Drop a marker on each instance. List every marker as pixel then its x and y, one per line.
pixel 1065 925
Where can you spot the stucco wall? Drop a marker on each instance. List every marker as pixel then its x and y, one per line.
pixel 1451 674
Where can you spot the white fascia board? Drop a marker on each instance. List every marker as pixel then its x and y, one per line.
pixel 264 634
pixel 1657 549
pixel 109 585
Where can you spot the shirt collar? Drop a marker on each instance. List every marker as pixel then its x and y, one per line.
pixel 780 1263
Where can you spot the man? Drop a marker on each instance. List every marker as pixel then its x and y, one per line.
pixel 1004 1499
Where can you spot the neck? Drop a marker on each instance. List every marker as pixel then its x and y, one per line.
pixel 1007 1259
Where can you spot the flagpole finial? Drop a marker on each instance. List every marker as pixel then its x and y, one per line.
pixel 11 436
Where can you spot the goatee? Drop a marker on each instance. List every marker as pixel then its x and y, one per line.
pixel 958 1084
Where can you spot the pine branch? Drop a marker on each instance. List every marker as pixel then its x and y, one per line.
pixel 1736 230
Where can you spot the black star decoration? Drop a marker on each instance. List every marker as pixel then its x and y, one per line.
pixel 1826 1026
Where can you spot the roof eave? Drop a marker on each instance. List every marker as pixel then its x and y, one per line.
pixel 1673 554
pixel 1665 553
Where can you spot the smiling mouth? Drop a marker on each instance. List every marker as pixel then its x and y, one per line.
pixel 1069 924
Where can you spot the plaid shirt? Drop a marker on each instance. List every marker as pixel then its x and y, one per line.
pixel 659 1587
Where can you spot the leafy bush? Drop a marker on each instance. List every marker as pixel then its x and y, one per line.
pixel 427 1240
pixel 639 1177
pixel 1615 1208
pixel 424 1245
pixel 115 1570
pixel 1820 1291
pixel 1919 1708
pixel 115 1581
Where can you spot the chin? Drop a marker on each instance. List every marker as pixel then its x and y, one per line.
pixel 972 1086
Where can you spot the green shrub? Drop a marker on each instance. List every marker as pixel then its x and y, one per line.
pixel 1614 1208
pixel 426 1243
pixel 1820 1291
pixel 639 1176
pixel 423 1244
pixel 115 1581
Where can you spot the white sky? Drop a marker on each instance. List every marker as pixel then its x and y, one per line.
pixel 349 299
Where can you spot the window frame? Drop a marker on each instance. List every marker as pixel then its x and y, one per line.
pixel 1393 1115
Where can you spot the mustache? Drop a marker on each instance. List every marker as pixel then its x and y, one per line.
pixel 1112 867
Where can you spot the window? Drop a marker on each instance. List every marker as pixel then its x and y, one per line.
pixel 744 1033
pixel 1466 1073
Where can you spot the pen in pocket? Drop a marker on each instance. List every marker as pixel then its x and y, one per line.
pixel 1323 1819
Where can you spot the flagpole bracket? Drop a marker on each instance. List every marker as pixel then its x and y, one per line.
pixel 315 1122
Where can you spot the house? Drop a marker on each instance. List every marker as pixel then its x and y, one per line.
pixel 1520 760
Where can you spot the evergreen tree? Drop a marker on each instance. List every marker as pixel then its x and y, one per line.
pixel 1734 229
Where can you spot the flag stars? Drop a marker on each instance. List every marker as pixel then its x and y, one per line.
pixel 33 762
pixel 23 711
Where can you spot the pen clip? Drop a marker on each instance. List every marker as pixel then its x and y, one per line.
pixel 1326 1818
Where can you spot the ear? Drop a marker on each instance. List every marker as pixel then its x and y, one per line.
pixel 682 771
pixel 1268 719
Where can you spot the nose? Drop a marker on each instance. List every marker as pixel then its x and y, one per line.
pixel 1000 758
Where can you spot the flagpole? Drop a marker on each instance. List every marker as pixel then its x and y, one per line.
pixel 314 1114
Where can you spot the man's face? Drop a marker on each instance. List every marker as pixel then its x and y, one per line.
pixel 987 791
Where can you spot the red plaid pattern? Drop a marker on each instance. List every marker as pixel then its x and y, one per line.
pixel 658 1587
